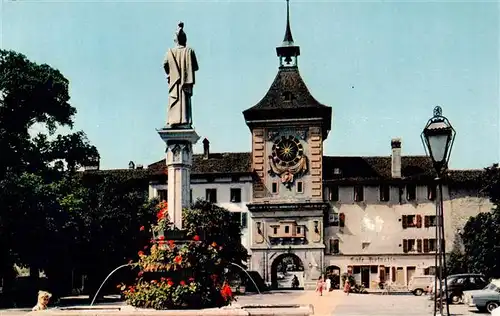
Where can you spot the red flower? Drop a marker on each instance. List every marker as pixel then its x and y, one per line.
pixel 171 243
pixel 196 238
pixel 140 253
pixel 140 273
pixel 154 281
pixel 226 292
pixel 141 229
pixel 163 279
pixel 170 283
pixel 178 259
pixel 161 238
pixel 182 283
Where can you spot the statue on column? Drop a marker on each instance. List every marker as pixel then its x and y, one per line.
pixel 180 65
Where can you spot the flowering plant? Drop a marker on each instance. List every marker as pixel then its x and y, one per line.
pixel 176 275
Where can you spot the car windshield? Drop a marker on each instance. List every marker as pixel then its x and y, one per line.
pixel 492 287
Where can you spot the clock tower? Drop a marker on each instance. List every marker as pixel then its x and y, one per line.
pixel 288 128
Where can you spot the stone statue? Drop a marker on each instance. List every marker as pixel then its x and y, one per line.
pixel 180 65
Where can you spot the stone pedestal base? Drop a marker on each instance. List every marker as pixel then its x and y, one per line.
pixel 179 155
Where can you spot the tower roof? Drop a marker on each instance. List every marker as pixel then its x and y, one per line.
pixel 288 98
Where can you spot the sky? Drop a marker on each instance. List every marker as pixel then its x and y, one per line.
pixel 381 65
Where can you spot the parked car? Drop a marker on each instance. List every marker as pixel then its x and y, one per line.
pixel 419 284
pixel 487 299
pixel 458 283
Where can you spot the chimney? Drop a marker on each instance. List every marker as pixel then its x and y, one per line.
pixel 206 148
pixel 396 158
pixel 131 165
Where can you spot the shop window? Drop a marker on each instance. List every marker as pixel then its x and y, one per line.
pixel 373 269
pixel 356 270
pixel 275 230
pixel 384 191
pixel 359 195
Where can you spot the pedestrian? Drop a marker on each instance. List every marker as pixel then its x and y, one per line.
pixel 43 301
pixel 347 287
pixel 328 285
pixel 320 285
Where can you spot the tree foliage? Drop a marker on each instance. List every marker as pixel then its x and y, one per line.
pixel 481 233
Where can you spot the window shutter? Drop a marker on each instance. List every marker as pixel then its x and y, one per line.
pixel 427 221
pixel 426 245
pixel 342 220
pixel 419 245
pixel 404 221
pixel 405 245
pixel 419 221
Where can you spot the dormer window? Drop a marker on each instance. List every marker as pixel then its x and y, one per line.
pixel 287 96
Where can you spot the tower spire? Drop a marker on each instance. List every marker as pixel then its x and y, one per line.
pixel 288 52
pixel 288 40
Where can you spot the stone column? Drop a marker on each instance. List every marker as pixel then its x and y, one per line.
pixel 179 156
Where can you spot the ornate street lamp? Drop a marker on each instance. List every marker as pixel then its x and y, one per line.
pixel 438 137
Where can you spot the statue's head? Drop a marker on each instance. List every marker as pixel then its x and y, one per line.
pixel 180 36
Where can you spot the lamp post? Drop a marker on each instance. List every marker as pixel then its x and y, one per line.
pixel 438 137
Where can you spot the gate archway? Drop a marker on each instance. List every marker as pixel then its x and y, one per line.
pixel 285 269
pixel 333 272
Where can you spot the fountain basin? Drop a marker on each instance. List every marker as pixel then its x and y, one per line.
pixel 121 310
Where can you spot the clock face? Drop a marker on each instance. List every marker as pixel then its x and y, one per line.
pixel 287 151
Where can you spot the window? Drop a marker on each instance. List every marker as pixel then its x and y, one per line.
pixel 298 229
pixel 334 193
pixel 373 269
pixel 408 245
pixel 358 193
pixel 244 219
pixel 211 195
pixel 356 270
pixel 341 220
pixel 275 230
pixel 412 221
pixel 384 193
pixel 274 187
pixel 163 195
pixel 287 229
pixel 333 219
pixel 235 195
pixel 300 187
pixel 431 192
pixel 365 245
pixel 430 221
pixel 334 246
pixel 419 245
pixel 191 196
pixel 429 245
pixel 411 192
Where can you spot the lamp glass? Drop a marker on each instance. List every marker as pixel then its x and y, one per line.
pixel 438 144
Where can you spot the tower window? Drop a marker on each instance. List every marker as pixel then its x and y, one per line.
pixel 287 96
pixel 300 187
pixel 274 187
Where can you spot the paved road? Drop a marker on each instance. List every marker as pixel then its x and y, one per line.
pixel 337 303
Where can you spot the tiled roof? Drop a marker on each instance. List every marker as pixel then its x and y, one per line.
pixel 216 163
pixel 289 98
pixel 351 168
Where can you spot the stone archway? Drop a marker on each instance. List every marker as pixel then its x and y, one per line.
pixel 284 269
pixel 333 272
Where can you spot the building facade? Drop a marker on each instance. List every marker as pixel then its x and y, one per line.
pixel 305 214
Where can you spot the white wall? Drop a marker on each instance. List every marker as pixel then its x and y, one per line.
pixel 223 187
